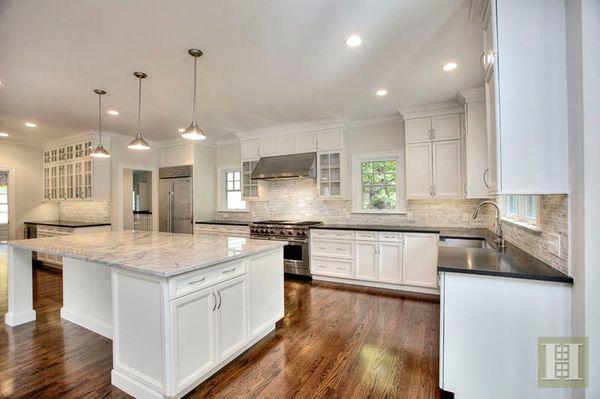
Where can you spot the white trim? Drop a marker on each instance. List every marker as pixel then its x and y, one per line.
pixel 12 197
pixel 292 128
pixel 472 95
pixel 180 141
pixel 438 109
pixel 381 120
pixel 377 284
pixel 221 189
pixel 87 321
pixel 118 218
pixel 522 224
pixel 356 185
pixel 234 140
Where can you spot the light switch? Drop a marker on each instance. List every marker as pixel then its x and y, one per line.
pixel 554 244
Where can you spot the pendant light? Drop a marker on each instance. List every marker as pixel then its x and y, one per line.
pixel 138 143
pixel 100 151
pixel 193 132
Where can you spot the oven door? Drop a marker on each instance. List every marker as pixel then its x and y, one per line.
pixel 295 258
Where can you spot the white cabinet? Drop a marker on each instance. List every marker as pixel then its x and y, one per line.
pixel 420 259
pixel 194 327
pixel 529 96
pixel 418 170
pixel 249 185
pixel 417 130
pixel 232 316
pixel 304 142
pixel 447 175
pixel 329 173
pixel 475 144
pixel 365 260
pixel 250 149
pixel 222 229
pixel 445 127
pixel 389 262
pixel 328 140
pixel 268 146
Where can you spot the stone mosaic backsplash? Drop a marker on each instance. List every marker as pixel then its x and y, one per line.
pixel 84 211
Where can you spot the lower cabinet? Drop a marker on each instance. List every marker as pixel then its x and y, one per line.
pixel 388 259
pixel 208 325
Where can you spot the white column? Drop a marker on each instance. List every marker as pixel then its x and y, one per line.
pixel 20 289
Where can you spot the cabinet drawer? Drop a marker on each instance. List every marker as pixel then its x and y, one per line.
pixel 389 236
pixel 221 229
pixel 333 234
pixel 199 279
pixel 365 236
pixel 332 267
pixel 336 249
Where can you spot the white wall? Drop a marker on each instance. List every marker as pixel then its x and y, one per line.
pixel 228 153
pixel 205 182
pixel 27 163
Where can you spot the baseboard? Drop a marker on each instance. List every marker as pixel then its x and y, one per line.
pixel 376 284
pixel 133 387
pixel 16 319
pixel 86 321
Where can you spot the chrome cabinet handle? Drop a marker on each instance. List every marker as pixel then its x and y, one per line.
pixel 485 172
pixel 229 271
pixel 220 300
pixel 214 301
pixel 200 280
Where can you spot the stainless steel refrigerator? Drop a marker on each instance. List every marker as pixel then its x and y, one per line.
pixel 175 201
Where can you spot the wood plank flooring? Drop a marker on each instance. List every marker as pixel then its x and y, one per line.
pixel 335 342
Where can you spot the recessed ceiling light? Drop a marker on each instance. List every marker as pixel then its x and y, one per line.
pixel 113 112
pixel 30 124
pixel 353 41
pixel 181 130
pixel 3 134
pixel 1 82
pixel 381 92
pixel 451 66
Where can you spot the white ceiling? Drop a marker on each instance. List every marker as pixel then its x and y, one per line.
pixel 266 62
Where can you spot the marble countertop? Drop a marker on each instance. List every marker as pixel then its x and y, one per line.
pixel 159 254
pixel 68 223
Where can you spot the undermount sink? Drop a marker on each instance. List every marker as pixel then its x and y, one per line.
pixel 465 243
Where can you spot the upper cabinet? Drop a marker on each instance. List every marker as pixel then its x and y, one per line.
pixel 250 149
pixel 304 142
pixel 524 62
pixel 436 128
pixel 328 140
pixel 70 173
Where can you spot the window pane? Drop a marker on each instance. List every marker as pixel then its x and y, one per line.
pixel 229 185
pixel 513 205
pixel 3 218
pixel 531 206
pixel 236 175
pixel 234 200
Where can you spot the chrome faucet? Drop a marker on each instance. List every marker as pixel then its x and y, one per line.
pixel 499 233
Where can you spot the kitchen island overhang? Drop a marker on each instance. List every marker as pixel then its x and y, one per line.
pixel 178 307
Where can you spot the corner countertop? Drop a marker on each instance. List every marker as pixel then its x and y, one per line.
pixel 510 262
pixel 150 252
pixel 224 222
pixel 68 223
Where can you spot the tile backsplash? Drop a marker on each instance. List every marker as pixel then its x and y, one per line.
pixel 297 199
pixel 84 211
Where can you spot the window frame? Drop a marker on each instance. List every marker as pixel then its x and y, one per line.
pixel 522 209
pixel 357 188
pixel 222 189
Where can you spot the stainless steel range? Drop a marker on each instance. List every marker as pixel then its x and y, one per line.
pixel 296 253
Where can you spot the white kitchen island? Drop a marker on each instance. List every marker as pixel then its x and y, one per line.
pixel 178 307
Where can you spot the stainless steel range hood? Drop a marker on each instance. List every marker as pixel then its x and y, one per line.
pixel 286 166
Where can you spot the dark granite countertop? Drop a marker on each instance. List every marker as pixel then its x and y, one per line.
pixel 510 262
pixel 142 212
pixel 224 222
pixel 68 223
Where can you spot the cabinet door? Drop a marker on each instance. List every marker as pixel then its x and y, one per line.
pixel 250 149
pixel 329 139
pixel 490 176
pixel 389 262
pixel 194 340
pixel 475 145
pixel 420 260
pixel 249 186
pixel 447 171
pixel 232 316
pixel 417 130
pixel 418 170
pixel 268 146
pixel 445 127
pixel 329 178
pixel 285 145
pixel 304 142
pixel 365 260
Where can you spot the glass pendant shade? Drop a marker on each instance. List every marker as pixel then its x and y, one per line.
pixel 193 132
pixel 138 143
pixel 100 151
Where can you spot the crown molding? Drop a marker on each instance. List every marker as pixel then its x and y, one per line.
pixel 380 120
pixel 291 128
pixel 420 111
pixel 472 95
pixel 224 142
pixel 10 141
pixel 181 141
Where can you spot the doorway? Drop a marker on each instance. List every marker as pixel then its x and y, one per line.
pixel 137 200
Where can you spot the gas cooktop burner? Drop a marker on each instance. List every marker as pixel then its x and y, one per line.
pixel 288 222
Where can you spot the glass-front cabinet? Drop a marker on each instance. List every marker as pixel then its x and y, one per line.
pixel 249 185
pixel 329 174
pixel 68 172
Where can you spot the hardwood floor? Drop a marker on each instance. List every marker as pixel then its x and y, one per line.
pixel 334 342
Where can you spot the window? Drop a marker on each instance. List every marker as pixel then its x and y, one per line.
pixel 521 208
pixel 233 190
pixel 376 183
pixel 3 198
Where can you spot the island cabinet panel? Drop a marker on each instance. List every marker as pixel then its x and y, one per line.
pixel 232 316
pixel 390 262
pixel 194 342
